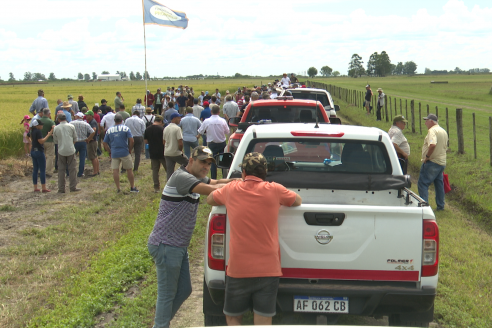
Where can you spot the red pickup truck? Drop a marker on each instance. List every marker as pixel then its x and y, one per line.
pixel 278 110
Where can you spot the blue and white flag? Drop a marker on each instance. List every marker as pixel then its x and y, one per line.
pixel 157 14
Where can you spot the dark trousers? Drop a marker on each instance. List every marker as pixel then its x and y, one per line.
pixel 158 109
pixel 138 143
pixel 171 163
pixel 378 113
pixel 81 148
pixel 216 148
pixel 156 166
pixel 38 164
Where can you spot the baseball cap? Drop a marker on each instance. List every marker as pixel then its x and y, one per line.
pixel 70 97
pixel 80 114
pixel 174 115
pixel 206 104
pixel 202 153
pixel 400 118
pixel 253 160
pixel 89 112
pixel 368 86
pixel 36 123
pixel 431 117
pixel 103 101
pixel 27 117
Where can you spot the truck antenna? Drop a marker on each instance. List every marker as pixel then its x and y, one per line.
pixel 316 112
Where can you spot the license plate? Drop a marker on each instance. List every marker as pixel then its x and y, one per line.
pixel 321 304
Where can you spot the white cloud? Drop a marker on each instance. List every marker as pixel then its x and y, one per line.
pixel 260 37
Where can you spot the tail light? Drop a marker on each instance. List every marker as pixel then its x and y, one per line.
pixel 216 242
pixel 430 248
pixel 233 144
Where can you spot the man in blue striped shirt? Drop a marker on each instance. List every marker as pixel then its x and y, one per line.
pixel 39 103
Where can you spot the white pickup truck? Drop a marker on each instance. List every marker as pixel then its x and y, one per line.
pixel 361 243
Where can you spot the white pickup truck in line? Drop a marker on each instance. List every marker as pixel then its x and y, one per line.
pixel 362 242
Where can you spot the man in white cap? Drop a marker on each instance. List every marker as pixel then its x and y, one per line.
pixel 285 81
pixel 399 141
pixel 433 161
pixel 84 135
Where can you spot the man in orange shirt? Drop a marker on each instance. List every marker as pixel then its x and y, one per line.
pixel 253 269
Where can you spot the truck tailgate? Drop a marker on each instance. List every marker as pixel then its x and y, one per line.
pixel 345 242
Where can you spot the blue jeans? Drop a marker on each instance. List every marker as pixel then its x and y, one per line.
pixel 204 137
pixel 216 148
pixel 173 281
pixel 81 148
pixel 188 146
pixel 38 164
pixel 431 172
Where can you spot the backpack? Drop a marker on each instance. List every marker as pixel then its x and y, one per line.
pixel 148 123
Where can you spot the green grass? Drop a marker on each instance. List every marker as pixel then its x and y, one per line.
pixel 20 97
pixel 466 174
pixel 465 285
pixel 7 208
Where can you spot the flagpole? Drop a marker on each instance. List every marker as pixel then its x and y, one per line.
pixel 145 47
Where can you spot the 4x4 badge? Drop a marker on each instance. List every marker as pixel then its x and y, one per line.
pixel 323 237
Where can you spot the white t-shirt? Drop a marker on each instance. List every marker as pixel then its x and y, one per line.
pixel 285 81
pixel 398 138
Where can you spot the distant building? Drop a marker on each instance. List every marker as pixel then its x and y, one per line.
pixel 109 77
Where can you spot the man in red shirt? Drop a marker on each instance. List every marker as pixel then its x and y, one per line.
pixel 253 269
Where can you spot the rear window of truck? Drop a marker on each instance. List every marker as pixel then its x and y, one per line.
pixel 321 97
pixel 316 155
pixel 284 114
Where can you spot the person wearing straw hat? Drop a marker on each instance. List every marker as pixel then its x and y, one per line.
pixel 399 141
pixel 379 104
pixel 433 161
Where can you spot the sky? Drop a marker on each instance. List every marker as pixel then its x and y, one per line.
pixel 251 37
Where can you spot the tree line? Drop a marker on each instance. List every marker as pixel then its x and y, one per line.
pixel 379 65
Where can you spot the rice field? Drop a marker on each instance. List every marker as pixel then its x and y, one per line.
pixel 16 100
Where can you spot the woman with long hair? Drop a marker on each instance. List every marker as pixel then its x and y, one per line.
pixel 37 155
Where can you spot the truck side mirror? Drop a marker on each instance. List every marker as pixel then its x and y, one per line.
pixel 234 121
pixel 335 120
pixel 337 108
pixel 224 161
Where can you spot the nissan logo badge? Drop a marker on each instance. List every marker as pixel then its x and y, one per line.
pixel 323 237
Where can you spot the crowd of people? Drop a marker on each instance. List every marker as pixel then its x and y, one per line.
pixel 168 129
pixel 165 126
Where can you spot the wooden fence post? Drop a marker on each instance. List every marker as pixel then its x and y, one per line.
pixel 420 118
pixel 447 124
pixel 391 110
pixel 412 110
pixel 386 107
pixel 427 109
pixel 437 112
pixel 406 109
pixel 474 138
pixel 401 108
pixel 490 139
pixel 459 130
pixel 396 113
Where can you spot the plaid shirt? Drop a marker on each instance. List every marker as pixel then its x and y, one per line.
pixel 83 130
